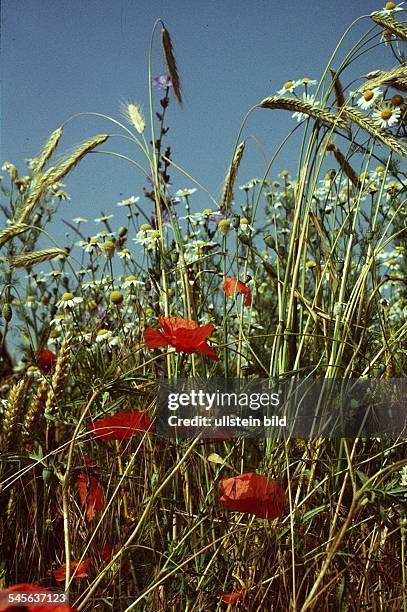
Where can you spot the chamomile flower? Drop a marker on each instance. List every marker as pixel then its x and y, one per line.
pixel 103 219
pixel 184 193
pixel 128 201
pixel 288 87
pixel 310 99
pixel 91 246
pixel 148 238
pixel 131 281
pixel 103 335
pixel 244 226
pixel 389 8
pixel 68 300
pixel 79 220
pixel 125 254
pixel 306 82
pixel 369 98
pixel 387 116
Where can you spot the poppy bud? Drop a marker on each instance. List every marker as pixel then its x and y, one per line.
pixel 270 242
pixel 122 231
pixel 7 312
pixel 245 239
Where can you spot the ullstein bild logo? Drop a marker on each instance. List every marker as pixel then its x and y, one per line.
pixel 304 408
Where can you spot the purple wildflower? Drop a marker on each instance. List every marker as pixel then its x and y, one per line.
pixel 163 81
pixel 217 216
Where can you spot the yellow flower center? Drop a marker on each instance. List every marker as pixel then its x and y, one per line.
pixel 108 245
pixel 368 95
pixel 207 212
pixel 244 221
pixel 93 241
pixel 30 298
pixel 379 170
pixel 130 278
pixel 145 227
pixel 392 261
pixel 390 6
pixel 288 84
pixel 155 234
pixel 102 332
pixel 67 296
pixel 310 264
pixel 125 251
pixel 386 114
pixel 54 333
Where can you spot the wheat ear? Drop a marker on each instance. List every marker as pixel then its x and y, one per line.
pixel 35 408
pixel 10 417
pixel 389 23
pixel 396 77
pixel 339 95
pixel 374 130
pixel 301 106
pixel 48 150
pixel 12 230
pixel 230 180
pixel 26 260
pixel 171 63
pixel 346 167
pixel 59 375
pixel 53 175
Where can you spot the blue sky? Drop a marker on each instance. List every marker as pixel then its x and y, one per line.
pixel 60 58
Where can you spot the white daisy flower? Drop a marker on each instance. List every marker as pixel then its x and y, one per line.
pixel 68 300
pixel 389 8
pixel 369 98
pixel 185 192
pixel 288 87
pixel 125 254
pixel 102 335
pixel 103 219
pixel 244 226
pixel 387 116
pixel 306 81
pixel 79 220
pixel 131 281
pixel 128 201
pixel 148 238
pixel 91 246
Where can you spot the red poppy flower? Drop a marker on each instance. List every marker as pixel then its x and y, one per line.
pixel 184 335
pixel 233 285
pixel 78 570
pixel 232 598
pixel 91 495
pixel 254 494
pixel 121 426
pixel 7 606
pixel 45 361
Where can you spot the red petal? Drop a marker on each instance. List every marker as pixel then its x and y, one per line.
pixel 78 570
pixel 254 494
pixel 232 598
pixel 82 485
pixel 171 324
pixel 122 425
pixel 96 499
pixel 154 338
